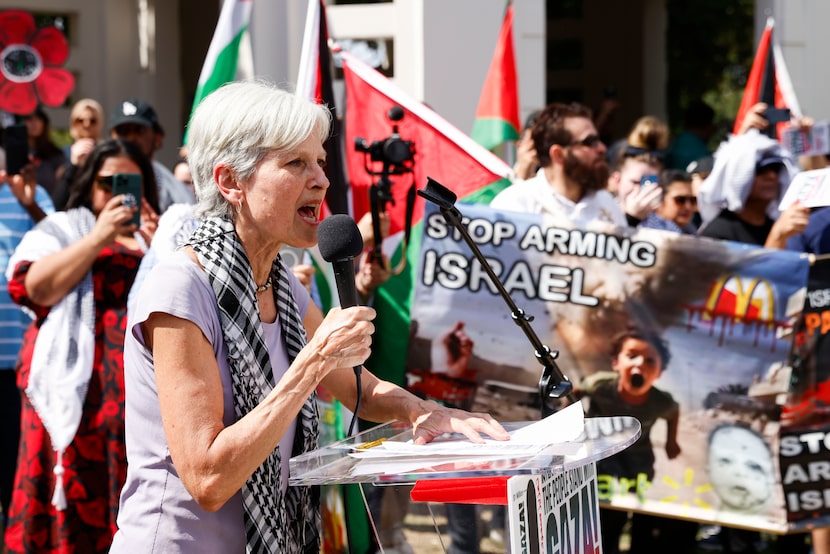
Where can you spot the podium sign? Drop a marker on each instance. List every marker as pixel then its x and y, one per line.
pixel 555 514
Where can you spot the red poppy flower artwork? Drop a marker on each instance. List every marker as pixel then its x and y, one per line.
pixel 29 64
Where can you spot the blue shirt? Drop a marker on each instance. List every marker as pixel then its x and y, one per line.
pixel 15 221
pixel 816 236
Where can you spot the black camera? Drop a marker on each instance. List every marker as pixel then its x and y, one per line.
pixel 392 151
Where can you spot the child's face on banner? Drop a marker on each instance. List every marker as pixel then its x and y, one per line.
pixel 639 366
pixel 740 468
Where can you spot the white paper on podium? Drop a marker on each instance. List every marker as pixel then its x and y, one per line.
pixel 408 463
pixel 563 426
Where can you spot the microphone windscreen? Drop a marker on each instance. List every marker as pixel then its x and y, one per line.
pixel 338 238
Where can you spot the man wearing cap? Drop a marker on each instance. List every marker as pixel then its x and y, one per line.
pixel 739 199
pixel 135 120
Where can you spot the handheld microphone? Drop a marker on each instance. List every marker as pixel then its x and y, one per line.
pixel 339 241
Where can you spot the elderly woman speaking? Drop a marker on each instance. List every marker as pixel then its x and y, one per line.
pixel 220 379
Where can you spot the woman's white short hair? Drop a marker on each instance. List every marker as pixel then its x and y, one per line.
pixel 237 125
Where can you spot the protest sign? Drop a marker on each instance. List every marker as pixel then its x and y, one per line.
pixel 810 188
pixel 807 142
pixel 555 514
pixel 725 310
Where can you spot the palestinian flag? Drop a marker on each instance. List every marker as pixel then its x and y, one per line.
pixel 229 55
pixel 497 115
pixel 315 83
pixel 768 81
pixel 346 527
pixel 442 152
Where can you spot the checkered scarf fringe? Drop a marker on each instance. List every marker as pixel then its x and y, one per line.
pixel 274 523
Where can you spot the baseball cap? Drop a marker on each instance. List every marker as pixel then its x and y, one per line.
pixel 770 159
pixel 703 165
pixel 134 110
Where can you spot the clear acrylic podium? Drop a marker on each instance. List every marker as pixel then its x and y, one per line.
pixel 459 479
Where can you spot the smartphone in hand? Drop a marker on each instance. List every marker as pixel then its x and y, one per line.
pixel 129 184
pixel 16 142
pixel 777 115
pixel 647 180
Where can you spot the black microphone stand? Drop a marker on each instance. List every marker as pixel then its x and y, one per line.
pixel 552 384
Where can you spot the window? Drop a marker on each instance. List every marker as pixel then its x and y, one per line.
pixel 565 54
pixel 564 9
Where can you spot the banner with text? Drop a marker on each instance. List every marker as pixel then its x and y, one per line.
pixel 723 315
pixel 555 514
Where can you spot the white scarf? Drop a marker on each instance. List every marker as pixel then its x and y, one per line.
pixel 64 350
pixel 730 182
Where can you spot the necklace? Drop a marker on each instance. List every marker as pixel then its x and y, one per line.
pixel 263 288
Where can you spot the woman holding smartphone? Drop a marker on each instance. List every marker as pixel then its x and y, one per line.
pixel 72 272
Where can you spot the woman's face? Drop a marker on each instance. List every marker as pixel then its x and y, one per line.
pixel 86 125
pixel 631 172
pixel 102 188
pixel 679 203
pixel 34 125
pixel 285 195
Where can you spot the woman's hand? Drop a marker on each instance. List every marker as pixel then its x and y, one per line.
pixel 642 200
pixel 112 221
pixel 367 231
pixel 371 274
pixel 24 188
pixel 343 339
pixel 23 185
pixel 791 222
pixel 149 222
pixel 442 420
pixel 754 119
pixel 80 150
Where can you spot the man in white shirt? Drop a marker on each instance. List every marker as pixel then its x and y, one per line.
pixel 570 183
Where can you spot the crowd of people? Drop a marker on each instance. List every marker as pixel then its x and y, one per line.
pixel 678 186
pixel 108 324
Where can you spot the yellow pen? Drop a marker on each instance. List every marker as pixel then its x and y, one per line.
pixel 370 444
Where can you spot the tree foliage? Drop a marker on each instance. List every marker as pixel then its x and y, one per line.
pixel 709 50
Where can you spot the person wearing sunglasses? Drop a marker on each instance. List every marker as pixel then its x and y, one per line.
pixel 679 204
pixel 72 272
pixel 86 120
pixel 739 200
pixel 570 183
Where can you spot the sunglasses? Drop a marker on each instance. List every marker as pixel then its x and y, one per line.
pixel 104 183
pixel 90 120
pixel 681 200
pixel 776 167
pixel 590 141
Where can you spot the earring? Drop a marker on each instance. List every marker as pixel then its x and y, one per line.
pixel 239 208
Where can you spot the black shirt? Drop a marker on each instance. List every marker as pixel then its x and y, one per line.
pixel 728 226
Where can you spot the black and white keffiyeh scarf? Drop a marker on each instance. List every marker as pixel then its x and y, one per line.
pixel 274 523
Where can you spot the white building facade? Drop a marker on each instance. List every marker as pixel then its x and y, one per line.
pixel 440 50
